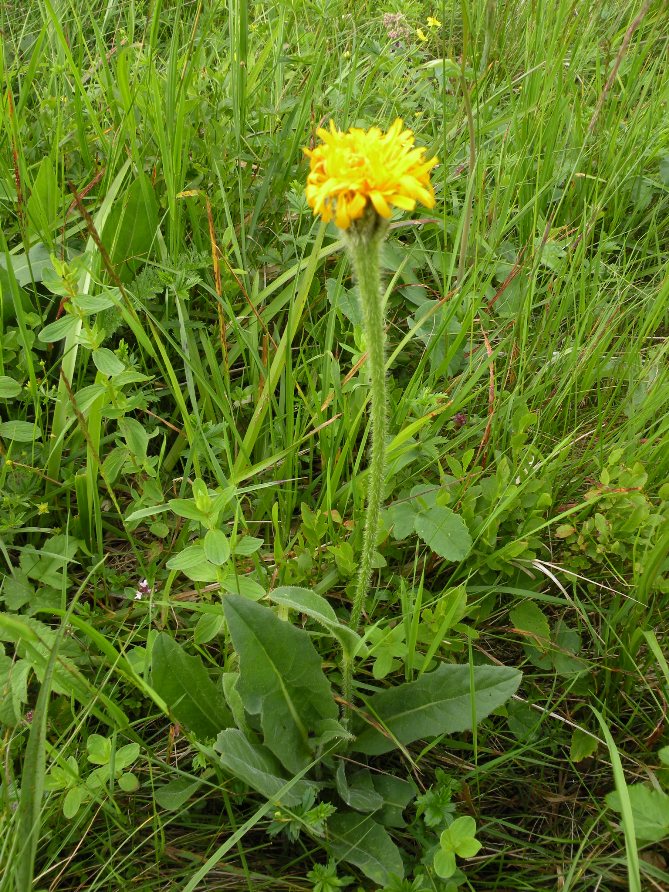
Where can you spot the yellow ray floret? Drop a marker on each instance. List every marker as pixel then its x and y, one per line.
pixel 361 167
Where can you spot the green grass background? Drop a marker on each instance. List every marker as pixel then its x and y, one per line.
pixel 527 325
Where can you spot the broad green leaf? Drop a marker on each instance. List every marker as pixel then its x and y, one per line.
pixel 359 793
pixel 217 547
pixel 107 362
pixel 257 767
pixel 89 304
pixel 135 436
pixel 247 545
pixel 237 584
pixel 99 749
pixel 131 227
pixel 400 517
pixel 193 562
pixel 460 832
pixel 650 809
pixel 444 532
pixel 567 645
pixel 9 388
pixel 187 558
pixel 315 606
pixel 151 511
pixel 125 756
pixel 20 431
pixel 361 841
pixel 72 801
pixel 184 684
pixel 209 625
pixel 583 745
pixel 530 621
pixel 88 395
pixel 444 864
pixel 173 795
pixel 13 689
pixel 58 330
pixel 280 679
pixel 114 462
pixel 42 206
pixel 128 782
pixel 396 794
pixel 344 299
pixel 29 267
pixel 229 682
pixel 523 720
pixel 187 508
pixel 437 703
pixel 304 601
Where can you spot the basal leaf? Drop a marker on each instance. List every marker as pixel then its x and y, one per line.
pixel 359 792
pixel 361 841
pixel 184 684
pixel 305 601
pixel 257 767
pixel 280 679
pixel 397 793
pixel 437 703
pixel 314 605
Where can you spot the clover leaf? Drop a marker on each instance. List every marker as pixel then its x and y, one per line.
pixel 458 839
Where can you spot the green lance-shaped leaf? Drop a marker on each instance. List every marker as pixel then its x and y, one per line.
pixel 437 703
pixel 257 767
pixel 184 684
pixel 361 841
pixel 280 679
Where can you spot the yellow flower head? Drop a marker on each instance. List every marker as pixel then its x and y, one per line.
pixel 350 170
pixel 432 22
pixel 420 34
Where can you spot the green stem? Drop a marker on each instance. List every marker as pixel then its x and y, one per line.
pixel 365 246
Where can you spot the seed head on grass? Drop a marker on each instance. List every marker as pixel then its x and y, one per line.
pixel 367 168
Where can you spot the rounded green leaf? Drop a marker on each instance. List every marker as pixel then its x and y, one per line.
pixel 444 864
pixel 107 362
pixel 468 848
pixel 461 829
pixel 444 532
pixel 128 782
pixel 72 801
pixel 9 388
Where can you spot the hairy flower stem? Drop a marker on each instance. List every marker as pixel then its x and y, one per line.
pixel 364 243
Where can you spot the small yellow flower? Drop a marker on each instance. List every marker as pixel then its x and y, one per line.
pixel 43 508
pixel 348 170
pixel 420 34
pixel 432 22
